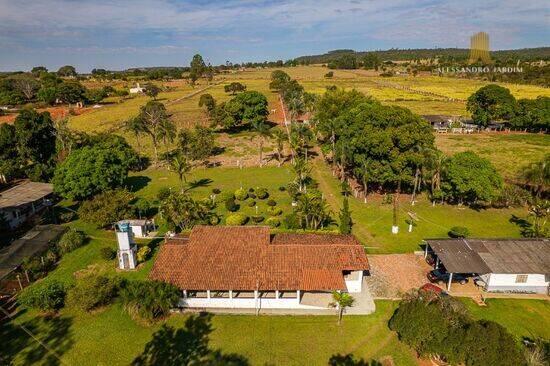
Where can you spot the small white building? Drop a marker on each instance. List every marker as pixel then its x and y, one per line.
pixel 502 265
pixel 140 228
pixel 245 267
pixel 137 89
pixel 127 247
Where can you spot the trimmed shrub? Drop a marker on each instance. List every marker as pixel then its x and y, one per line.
pixel 252 195
pixel 251 203
pixel 257 219
pixel 262 193
pixel 241 194
pixel 93 291
pixel 44 296
pixel 236 219
pixel 149 300
pixel 70 241
pixel 251 190
pixel 143 253
pixel 230 205
pixel 107 253
pixel 274 211
pixel 271 203
pixel 216 191
pixel 459 232
pixel 282 188
pixel 273 222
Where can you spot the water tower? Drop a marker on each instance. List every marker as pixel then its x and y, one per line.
pixel 126 246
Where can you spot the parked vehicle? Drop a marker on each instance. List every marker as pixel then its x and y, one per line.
pixel 441 277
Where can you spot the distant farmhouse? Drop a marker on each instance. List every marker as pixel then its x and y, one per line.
pixel 137 89
pixel 19 203
pixel 503 265
pixel 248 268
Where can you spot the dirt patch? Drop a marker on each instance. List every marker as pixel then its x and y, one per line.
pixel 394 274
pixel 55 112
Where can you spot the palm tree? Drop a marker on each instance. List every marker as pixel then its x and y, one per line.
pixel 434 164
pixel 264 130
pixel 300 138
pixel 181 167
pixel 301 169
pixel 135 126
pixel 540 211
pixel 537 175
pixel 280 138
pixel 341 301
pixel 313 211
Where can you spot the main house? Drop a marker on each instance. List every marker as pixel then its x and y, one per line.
pixel 502 265
pixel 245 267
pixel 19 203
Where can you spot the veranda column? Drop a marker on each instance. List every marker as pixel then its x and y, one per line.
pixel 450 280
pixel 208 294
pixel 276 294
pixel 298 297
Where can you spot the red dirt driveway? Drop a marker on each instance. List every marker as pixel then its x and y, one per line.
pixel 394 274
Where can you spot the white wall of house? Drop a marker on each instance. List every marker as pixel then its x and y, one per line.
pixel 138 231
pixel 354 281
pixel 516 282
pixel 244 303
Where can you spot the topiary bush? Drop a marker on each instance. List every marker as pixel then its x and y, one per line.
pixel 230 205
pixel 262 193
pixel 143 253
pixel 257 219
pixel 251 203
pixel 274 211
pixel 282 188
pixel 216 191
pixel 271 203
pixel 236 219
pixel 273 222
pixel 459 232
pixel 70 241
pixel 214 220
pixel 107 253
pixel 93 291
pixel 44 296
pixel 251 190
pixel 241 194
pixel 252 195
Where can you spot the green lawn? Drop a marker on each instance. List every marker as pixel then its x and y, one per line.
pixel 373 221
pixel 510 153
pixel 523 318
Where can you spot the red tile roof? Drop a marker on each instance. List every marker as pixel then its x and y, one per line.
pixel 248 258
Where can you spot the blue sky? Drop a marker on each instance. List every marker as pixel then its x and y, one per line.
pixel 130 33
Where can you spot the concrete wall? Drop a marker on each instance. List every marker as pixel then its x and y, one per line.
pixel 248 303
pixel 536 283
pixel 354 281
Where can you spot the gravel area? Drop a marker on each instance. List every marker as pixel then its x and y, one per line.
pixel 394 274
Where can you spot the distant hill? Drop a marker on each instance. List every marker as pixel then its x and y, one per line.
pixel 395 54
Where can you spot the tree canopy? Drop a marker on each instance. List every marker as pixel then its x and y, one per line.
pixel 246 108
pixel 491 103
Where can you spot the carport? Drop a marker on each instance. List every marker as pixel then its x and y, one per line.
pixel 457 256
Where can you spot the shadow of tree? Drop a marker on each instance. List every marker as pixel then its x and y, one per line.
pixel 135 183
pixel 185 346
pixel 525 227
pixel 204 182
pixel 350 360
pixel 53 339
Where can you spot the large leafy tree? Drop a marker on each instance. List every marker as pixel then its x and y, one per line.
pixel 491 103
pixel 90 170
pixel 67 71
pixel 71 92
pixel 36 143
pixel 532 114
pixel 246 108
pixel 9 161
pixel 197 143
pixel 234 88
pixel 279 79
pixel 197 68
pixel 469 178
pixel 385 141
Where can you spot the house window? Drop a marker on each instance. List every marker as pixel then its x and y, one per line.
pixel 521 278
